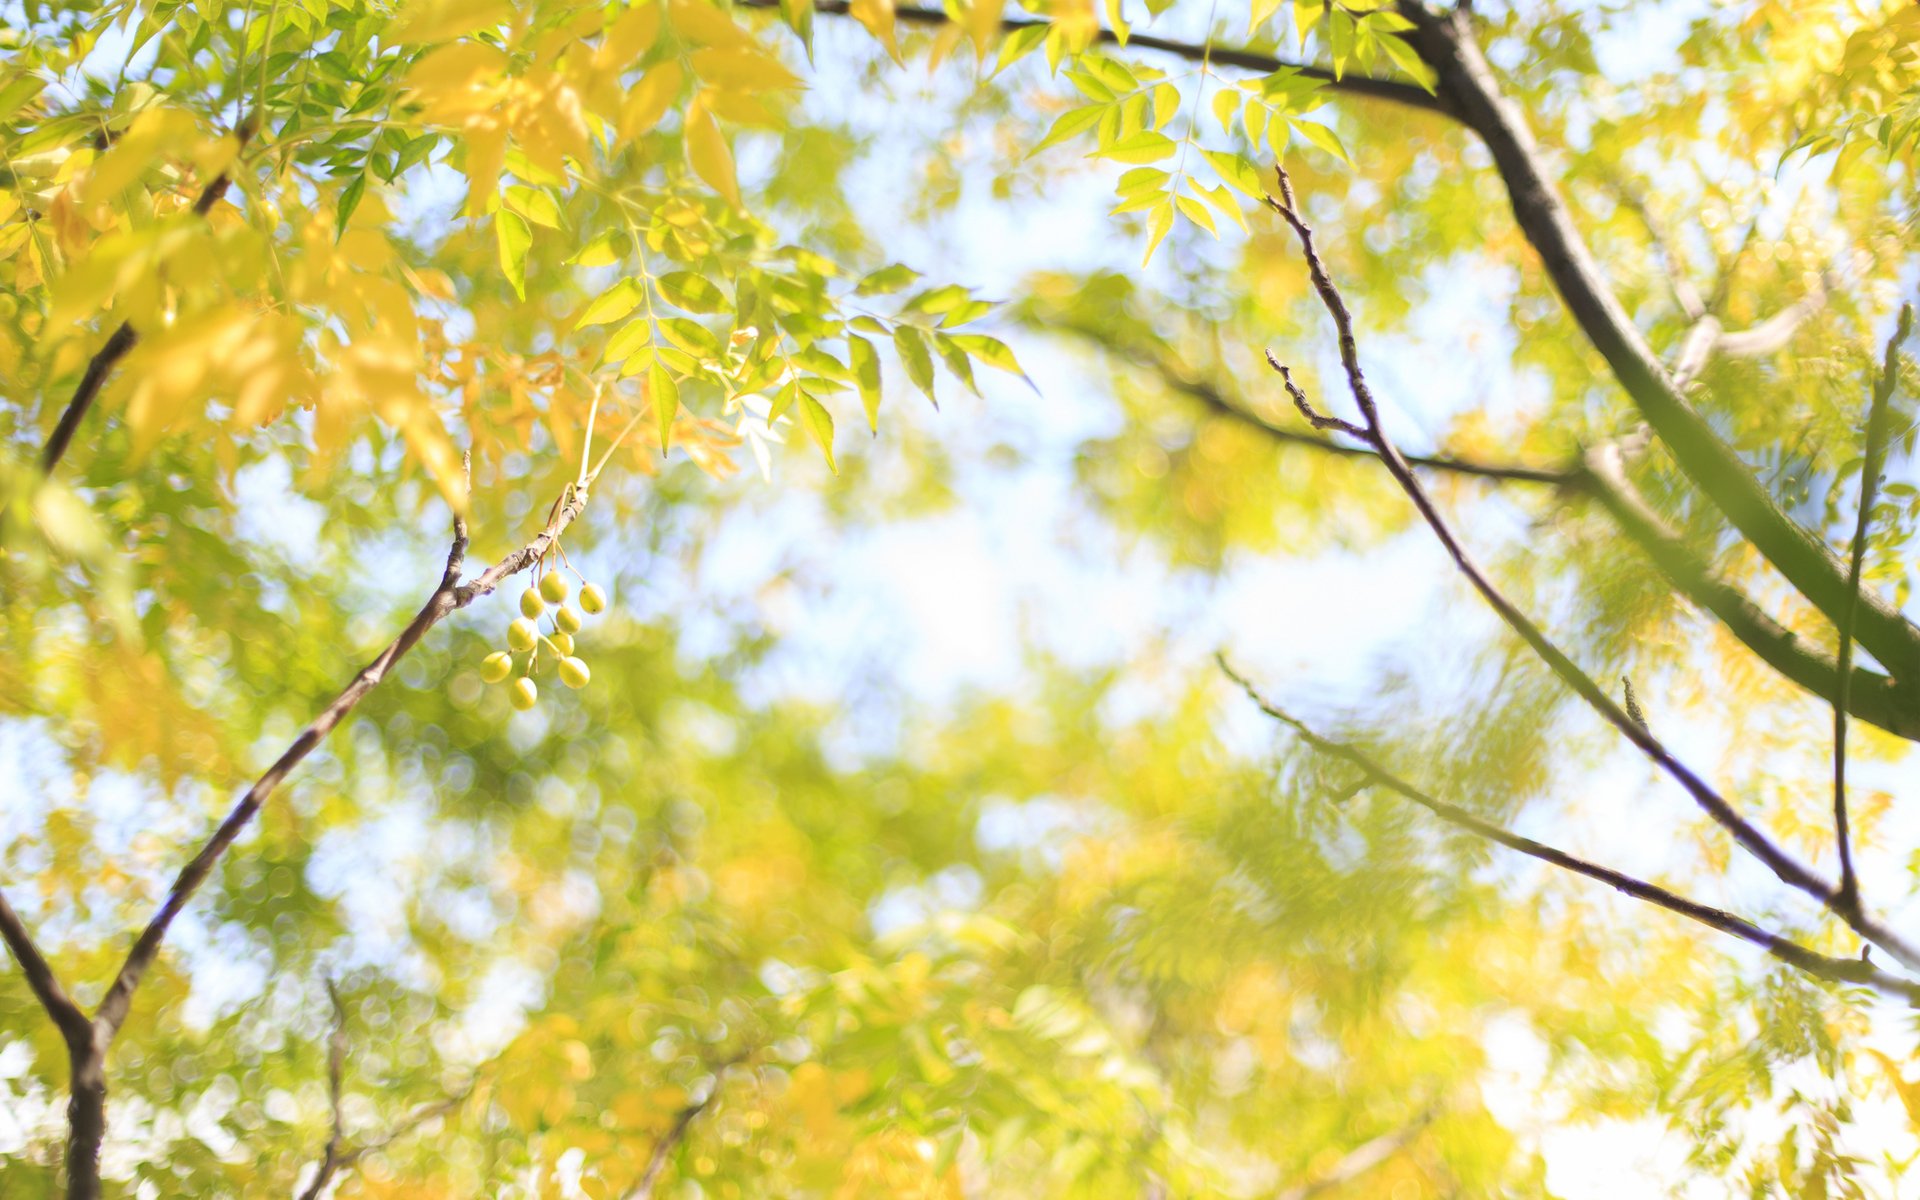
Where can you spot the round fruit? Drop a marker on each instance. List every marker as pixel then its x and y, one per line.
pixel 553 587
pixel 562 644
pixel 574 673
pixel 496 666
pixel 567 619
pixel 530 604
pixel 524 694
pixel 592 599
pixel 521 636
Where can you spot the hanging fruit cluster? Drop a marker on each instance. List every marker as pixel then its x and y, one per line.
pixel 550 588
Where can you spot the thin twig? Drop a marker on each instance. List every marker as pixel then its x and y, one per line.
pixel 336 1069
pixel 1748 835
pixel 1876 455
pixel 1837 970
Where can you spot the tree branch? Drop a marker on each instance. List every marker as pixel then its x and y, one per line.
pixel 1836 970
pixel 1876 457
pixel 448 597
pixel 1748 835
pixel 65 1014
pixel 122 339
pixel 1445 42
pixel 1407 95
pixel 643 1188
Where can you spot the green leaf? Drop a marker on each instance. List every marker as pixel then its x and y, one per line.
pixel 624 344
pixel 1236 172
pixel 916 356
pixel 937 300
pixel 819 423
pixel 535 205
pixel 866 374
pixel 991 351
pixel 349 200
pixel 514 236
pixel 886 280
pixel 690 336
pixel 1323 137
pixel 665 396
pixel 614 303
pixel 1018 44
pixel 1143 147
pixel 1071 124
pixel 603 251
pixel 956 359
pixel 695 293
pixel 784 399
pixel 1159 221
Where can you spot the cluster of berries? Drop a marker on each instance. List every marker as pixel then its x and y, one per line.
pixel 524 637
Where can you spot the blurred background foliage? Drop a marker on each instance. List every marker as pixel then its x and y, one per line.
pixel 773 907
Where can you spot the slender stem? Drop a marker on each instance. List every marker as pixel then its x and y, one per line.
pixel 1876 454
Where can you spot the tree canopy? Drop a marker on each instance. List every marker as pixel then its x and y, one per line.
pixel 482 482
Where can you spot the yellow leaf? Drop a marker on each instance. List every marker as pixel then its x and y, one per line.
pixel 983 23
pixel 707 152
pixel 742 69
pixel 877 16
pixel 422 21
pixel 630 36
pixel 703 24
pixel 649 100
pixel 155 134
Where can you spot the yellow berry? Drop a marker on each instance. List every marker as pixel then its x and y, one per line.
pixel 567 619
pixel 592 599
pixel 530 604
pixel 553 587
pixel 521 636
pixel 562 644
pixel 574 673
pixel 524 694
pixel 496 666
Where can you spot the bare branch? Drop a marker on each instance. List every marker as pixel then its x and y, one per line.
pixel 1748 835
pixel 1876 457
pixel 1836 970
